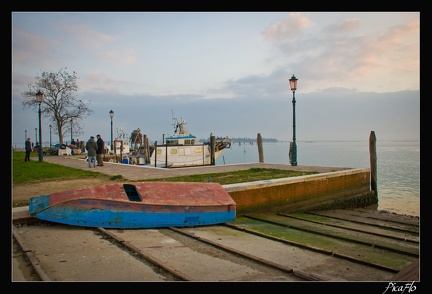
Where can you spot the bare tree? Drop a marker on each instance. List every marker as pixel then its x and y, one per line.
pixel 59 105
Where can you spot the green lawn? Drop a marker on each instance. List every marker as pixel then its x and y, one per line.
pixel 34 171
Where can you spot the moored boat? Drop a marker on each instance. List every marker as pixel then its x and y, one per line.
pixel 137 205
pixel 184 149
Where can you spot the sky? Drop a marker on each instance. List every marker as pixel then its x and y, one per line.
pixel 226 73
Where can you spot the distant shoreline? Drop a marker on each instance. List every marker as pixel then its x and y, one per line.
pixel 19 146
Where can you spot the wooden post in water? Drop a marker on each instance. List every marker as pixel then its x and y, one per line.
pixel 155 146
pixel 166 154
pixel 121 151
pixel 260 148
pixel 114 149
pixel 146 150
pixel 373 162
pixel 212 150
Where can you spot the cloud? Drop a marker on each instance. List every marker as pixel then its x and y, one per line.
pixel 228 73
pixel 289 29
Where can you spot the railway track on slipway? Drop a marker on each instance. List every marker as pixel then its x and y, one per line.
pixel 324 246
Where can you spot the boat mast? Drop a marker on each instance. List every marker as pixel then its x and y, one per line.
pixel 180 126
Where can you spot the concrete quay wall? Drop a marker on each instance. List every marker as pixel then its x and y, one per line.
pixel 333 190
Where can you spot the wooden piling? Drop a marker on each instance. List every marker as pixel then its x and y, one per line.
pixel 373 162
pixel 260 148
pixel 155 151
pixel 146 150
pixel 213 150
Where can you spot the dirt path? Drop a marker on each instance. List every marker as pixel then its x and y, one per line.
pixel 21 193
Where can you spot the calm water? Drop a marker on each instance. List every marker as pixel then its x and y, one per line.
pixel 398 165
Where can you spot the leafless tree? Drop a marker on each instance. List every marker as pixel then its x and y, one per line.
pixel 59 105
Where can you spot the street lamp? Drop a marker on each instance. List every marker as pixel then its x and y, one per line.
pixel 39 98
pixel 50 126
pixel 25 137
pixel 71 130
pixel 293 85
pixel 111 114
pixel 36 142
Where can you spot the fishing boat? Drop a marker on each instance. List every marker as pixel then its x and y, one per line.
pixel 137 205
pixel 184 149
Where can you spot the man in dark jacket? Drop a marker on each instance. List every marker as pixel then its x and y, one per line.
pixel 28 149
pixel 91 147
pixel 100 150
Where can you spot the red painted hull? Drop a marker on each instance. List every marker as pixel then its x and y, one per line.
pixel 138 205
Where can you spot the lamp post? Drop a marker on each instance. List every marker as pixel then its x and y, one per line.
pixel 50 126
pixel 36 142
pixel 293 85
pixel 39 98
pixel 111 114
pixel 71 130
pixel 25 137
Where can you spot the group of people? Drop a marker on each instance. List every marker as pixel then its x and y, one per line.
pixel 95 151
pixel 76 143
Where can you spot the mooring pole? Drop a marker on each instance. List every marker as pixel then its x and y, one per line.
pixel 155 151
pixel 373 162
pixel 260 148
pixel 212 150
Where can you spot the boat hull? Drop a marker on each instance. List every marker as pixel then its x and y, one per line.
pixel 182 156
pixel 138 205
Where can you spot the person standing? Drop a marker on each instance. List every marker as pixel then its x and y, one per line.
pixel 28 149
pixel 91 147
pixel 100 150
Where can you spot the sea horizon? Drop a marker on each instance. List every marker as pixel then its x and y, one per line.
pixel 398 165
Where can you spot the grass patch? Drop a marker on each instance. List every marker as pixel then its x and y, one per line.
pixel 35 171
pixel 240 176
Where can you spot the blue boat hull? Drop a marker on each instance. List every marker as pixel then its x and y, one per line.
pixel 183 205
pixel 132 219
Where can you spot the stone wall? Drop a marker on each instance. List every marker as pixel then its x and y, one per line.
pixel 342 189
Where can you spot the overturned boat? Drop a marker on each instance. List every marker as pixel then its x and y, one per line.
pixel 137 205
